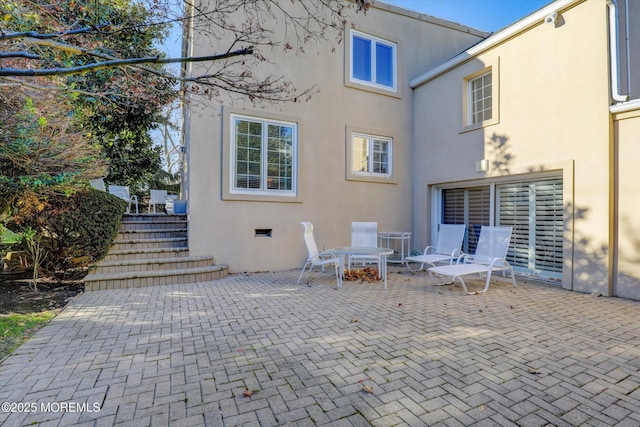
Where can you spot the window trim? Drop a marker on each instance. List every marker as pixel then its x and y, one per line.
pixel 350 81
pixel 467 119
pixel 352 175
pixel 228 190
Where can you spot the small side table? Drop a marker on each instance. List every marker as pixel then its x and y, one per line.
pixel 399 241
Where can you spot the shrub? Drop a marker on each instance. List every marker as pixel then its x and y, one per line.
pixel 77 229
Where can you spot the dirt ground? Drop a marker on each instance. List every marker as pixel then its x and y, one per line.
pixel 16 295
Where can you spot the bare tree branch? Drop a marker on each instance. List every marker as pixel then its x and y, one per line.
pixel 16 72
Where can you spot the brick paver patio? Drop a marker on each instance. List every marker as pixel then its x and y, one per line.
pixel 413 355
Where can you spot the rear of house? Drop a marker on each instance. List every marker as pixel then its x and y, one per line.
pixel 535 127
pixel 255 171
pixel 521 134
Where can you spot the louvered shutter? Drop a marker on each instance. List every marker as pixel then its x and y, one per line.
pixel 549 225
pixel 479 214
pixel 469 206
pixel 513 211
pixel 534 210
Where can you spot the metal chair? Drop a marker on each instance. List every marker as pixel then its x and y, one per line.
pixel 490 257
pixel 122 191
pixel 447 248
pixel 316 258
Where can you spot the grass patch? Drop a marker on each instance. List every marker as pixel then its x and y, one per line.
pixel 17 328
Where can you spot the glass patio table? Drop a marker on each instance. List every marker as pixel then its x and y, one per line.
pixel 351 250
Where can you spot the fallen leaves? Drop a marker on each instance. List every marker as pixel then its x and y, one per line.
pixel 368 274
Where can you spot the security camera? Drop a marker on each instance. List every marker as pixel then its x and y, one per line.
pixel 551 18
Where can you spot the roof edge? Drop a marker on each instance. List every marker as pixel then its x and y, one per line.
pixel 429 18
pixel 493 40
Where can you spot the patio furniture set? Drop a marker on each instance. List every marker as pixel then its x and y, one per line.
pixel 446 262
pixel 155 200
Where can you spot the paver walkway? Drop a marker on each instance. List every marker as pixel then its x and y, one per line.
pixel 413 355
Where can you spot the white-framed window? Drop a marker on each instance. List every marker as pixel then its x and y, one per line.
pixel 371 155
pixel 480 98
pixel 264 156
pixel 373 61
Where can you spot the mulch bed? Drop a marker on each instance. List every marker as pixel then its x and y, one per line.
pixel 17 296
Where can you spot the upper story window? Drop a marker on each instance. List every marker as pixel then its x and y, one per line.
pixel 373 61
pixel 480 99
pixel 371 155
pixel 263 156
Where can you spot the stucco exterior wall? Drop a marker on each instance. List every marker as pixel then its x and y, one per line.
pixel 225 228
pixel 553 116
pixel 627 140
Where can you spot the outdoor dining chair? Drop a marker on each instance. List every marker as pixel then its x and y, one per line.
pixel 316 258
pixel 123 192
pixel 364 235
pixel 158 197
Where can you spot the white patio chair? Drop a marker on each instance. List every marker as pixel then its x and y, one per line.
pixel 98 184
pixel 447 248
pixel 122 191
pixel 490 257
pixel 318 259
pixel 158 197
pixel 364 235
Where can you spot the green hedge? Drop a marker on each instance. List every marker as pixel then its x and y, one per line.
pixel 78 229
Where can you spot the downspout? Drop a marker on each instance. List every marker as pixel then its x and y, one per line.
pixel 612 271
pixel 627 45
pixel 613 52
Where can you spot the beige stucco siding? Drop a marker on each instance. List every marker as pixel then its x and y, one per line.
pixel 225 227
pixel 553 115
pixel 627 133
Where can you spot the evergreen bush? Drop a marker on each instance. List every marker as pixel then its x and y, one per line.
pixel 78 228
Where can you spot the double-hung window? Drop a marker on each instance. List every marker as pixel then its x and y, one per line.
pixel 263 156
pixel 371 155
pixel 373 61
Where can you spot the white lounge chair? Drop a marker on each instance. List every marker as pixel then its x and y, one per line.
pixel 490 257
pixel 123 192
pixel 98 184
pixel 318 259
pixel 364 235
pixel 158 197
pixel 447 248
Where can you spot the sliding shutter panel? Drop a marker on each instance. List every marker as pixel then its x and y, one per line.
pixel 479 201
pixel 513 211
pixel 470 206
pixel 549 225
pixel 534 210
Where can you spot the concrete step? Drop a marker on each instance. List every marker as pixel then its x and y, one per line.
pixel 149 250
pixel 154 217
pixel 152 233
pixel 136 254
pixel 138 279
pixel 133 244
pixel 148 225
pixel 110 267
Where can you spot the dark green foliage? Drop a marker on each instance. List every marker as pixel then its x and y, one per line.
pixel 78 229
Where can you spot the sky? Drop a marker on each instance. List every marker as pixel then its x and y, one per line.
pixel 485 15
